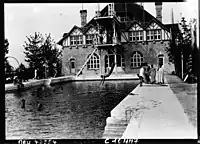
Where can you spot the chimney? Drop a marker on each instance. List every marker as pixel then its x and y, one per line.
pixel 158 6
pixel 83 14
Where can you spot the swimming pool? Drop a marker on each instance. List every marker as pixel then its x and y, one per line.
pixel 72 110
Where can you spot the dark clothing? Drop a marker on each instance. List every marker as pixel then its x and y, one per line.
pixel 146 74
pixel 141 79
pixel 153 75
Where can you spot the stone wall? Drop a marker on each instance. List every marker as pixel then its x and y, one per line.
pixel 150 51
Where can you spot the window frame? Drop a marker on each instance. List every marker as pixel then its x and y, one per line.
pixel 136 36
pixel 136 59
pixel 76 40
pixel 154 34
pixel 94 62
pixel 91 40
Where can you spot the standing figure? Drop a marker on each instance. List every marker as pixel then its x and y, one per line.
pixel 160 75
pixel 146 73
pixel 152 74
pixel 23 103
pixel 35 76
pixel 55 72
pixel 141 75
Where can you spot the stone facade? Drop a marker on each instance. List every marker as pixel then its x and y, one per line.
pixel 75 55
pixel 149 50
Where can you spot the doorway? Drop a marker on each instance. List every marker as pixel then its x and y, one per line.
pixel 160 60
pixel 72 65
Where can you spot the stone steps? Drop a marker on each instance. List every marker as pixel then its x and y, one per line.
pixel 114 127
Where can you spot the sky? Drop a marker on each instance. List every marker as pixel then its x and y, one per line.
pixel 21 20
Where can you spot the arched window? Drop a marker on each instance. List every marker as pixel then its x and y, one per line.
pixel 94 61
pixel 72 62
pixel 136 60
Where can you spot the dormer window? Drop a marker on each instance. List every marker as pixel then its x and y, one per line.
pixel 76 40
pixel 135 36
pixel 154 34
pixel 157 35
pixel 90 38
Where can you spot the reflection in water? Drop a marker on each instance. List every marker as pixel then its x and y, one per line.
pixel 70 110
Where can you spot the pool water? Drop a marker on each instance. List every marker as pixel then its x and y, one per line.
pixel 73 110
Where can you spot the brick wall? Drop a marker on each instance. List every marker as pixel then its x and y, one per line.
pixel 149 50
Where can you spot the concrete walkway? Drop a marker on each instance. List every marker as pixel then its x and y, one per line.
pixel 156 114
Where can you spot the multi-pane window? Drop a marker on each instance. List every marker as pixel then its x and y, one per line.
pixel 73 40
pixel 157 35
pixel 90 38
pixel 136 60
pixel 154 34
pixel 76 40
pixel 136 36
pixel 94 62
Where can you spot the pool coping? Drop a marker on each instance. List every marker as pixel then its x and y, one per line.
pixel 33 83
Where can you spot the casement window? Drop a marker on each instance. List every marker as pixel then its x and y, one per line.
pixel 79 40
pixel 154 34
pixel 90 38
pixel 76 40
pixel 73 40
pixel 157 34
pixel 94 62
pixel 136 60
pixel 135 36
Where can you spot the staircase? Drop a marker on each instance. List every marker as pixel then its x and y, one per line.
pixel 114 128
pixel 86 62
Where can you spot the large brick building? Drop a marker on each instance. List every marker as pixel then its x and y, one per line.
pixel 124 33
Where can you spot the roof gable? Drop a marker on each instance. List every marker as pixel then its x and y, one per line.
pixel 91 30
pixel 75 31
pixel 135 26
pixel 155 24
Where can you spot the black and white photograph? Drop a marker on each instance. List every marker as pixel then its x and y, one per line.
pixel 101 70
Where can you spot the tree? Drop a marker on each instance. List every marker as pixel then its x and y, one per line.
pixel 181 45
pixel 174 50
pixel 41 53
pixel 8 67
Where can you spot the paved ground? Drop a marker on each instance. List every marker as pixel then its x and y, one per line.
pixel 159 113
pixel 187 96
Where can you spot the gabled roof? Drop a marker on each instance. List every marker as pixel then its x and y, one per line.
pixel 136 13
pixel 104 12
pixel 88 27
pixel 157 22
pixel 65 35
pixel 75 27
pixel 132 23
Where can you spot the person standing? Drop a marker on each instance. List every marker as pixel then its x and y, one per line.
pixel 36 72
pixel 141 75
pixel 160 75
pixel 146 73
pixel 152 74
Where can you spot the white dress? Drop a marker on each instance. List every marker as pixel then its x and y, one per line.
pixel 160 75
